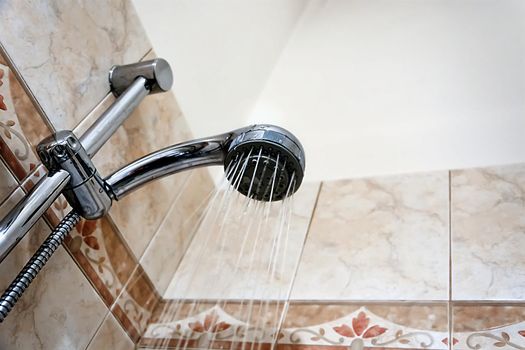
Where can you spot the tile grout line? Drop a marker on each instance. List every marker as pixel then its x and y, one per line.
pixel 108 312
pixel 171 206
pixel 19 185
pixel 450 314
pixel 117 298
pixel 25 86
pixel 286 306
pixel 314 209
pixel 299 258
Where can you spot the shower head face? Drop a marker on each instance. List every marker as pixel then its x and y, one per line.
pixel 265 162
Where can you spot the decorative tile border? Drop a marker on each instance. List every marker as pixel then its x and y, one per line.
pixel 507 337
pixel 18 118
pixel 136 304
pixel 481 326
pixel 362 328
pixel 214 325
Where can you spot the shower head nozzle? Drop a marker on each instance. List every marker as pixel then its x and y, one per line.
pixel 265 162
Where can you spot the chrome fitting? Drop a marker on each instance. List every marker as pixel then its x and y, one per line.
pixel 85 191
pixel 157 73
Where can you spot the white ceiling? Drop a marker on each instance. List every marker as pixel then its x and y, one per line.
pixel 370 87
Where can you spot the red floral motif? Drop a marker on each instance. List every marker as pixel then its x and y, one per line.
pixel 360 328
pixel 445 341
pixel 32 166
pixel 522 333
pixel 86 228
pixel 60 206
pixel 2 103
pixel 210 324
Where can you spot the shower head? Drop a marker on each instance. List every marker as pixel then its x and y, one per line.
pixel 265 162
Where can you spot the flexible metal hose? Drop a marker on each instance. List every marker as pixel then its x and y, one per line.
pixel 36 263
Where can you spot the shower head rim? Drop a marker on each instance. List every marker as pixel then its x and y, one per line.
pixel 273 140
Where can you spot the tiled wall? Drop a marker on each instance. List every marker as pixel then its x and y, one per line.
pixel 421 261
pixel 100 289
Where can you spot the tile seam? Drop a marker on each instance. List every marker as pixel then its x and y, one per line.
pixel 300 257
pixel 98 328
pixel 32 97
pixel 449 306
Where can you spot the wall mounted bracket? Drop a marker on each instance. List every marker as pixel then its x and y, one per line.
pixel 68 158
pixel 72 173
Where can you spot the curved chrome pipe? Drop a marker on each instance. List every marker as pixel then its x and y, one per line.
pixel 167 161
pixel 270 142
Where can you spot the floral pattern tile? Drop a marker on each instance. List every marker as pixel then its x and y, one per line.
pixel 382 238
pixel 51 302
pixel 224 325
pixel 378 325
pixel 99 250
pixel 482 326
pixel 51 56
pixel 362 328
pixel 7 182
pixel 21 127
pixel 488 233
pixel 136 304
pixel 213 325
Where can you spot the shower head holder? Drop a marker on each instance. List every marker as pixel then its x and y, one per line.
pixel 272 168
pixel 273 158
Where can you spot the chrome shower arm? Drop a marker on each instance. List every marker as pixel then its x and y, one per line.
pixel 170 160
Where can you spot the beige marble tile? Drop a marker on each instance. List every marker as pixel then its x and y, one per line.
pixel 163 255
pixel 382 238
pixel 237 254
pixel 110 335
pixel 60 310
pixel 156 123
pixel 65 49
pixel 488 233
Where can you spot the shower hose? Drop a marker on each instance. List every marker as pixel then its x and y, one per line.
pixel 36 263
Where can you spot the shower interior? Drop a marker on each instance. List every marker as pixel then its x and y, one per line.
pixel 264 166
pixel 231 287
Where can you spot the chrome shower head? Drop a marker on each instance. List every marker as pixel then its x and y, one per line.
pixel 265 162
